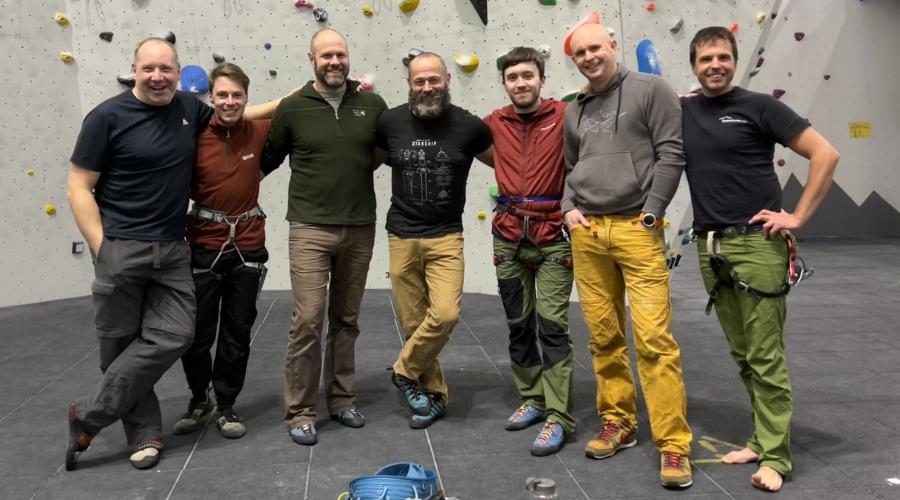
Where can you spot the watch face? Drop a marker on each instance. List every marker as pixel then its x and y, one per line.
pixel 649 220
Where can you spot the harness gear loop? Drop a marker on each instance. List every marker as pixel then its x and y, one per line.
pixel 726 275
pixel 209 215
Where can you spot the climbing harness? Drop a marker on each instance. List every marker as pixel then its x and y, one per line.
pixel 209 215
pixel 507 204
pixel 726 275
pixel 399 481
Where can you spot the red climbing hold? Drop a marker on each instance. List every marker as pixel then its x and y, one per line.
pixel 303 4
pixel 733 27
pixel 651 6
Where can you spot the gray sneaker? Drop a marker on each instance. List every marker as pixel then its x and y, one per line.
pixel 230 425
pixel 304 434
pixel 193 418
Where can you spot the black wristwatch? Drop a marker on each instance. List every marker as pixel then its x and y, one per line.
pixel 648 220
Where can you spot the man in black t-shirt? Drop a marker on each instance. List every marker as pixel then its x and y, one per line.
pixel 729 141
pixel 430 145
pixel 128 188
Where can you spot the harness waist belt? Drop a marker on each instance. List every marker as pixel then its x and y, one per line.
pixel 532 215
pixel 525 199
pixel 208 214
pixel 731 232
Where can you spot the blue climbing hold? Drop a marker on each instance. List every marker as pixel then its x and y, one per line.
pixel 194 79
pixel 648 58
pixel 267 45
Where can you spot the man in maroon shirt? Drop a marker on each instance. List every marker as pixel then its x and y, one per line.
pixel 226 231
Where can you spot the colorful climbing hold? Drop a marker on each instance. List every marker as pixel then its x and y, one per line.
pixel 194 79
pixel 127 79
pixel 468 62
pixel 218 58
pixel 410 55
pixel 733 27
pixel 547 2
pixel 754 72
pixel 780 162
pixel 648 58
pixel 320 15
pixel 407 6
pixel 777 93
pixel 592 18
pixel 303 4
pixel 492 192
pixel 170 37
pixel 29 171
pixel 267 45
pixel 799 36
pixel 49 209
pixel 761 17
pixel 482 215
pixel 760 61
pixel 571 96
pixel 66 57
pixel 677 23
pixel 368 11
pixel 544 50
pixel 366 83
pixel 107 36
pixel 60 19
pixel 650 6
pixel 612 32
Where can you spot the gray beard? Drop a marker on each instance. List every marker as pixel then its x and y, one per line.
pixel 428 107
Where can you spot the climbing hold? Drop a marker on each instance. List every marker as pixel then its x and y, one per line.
pixel 677 23
pixel 481 9
pixel 780 162
pixel 482 215
pixel 127 79
pixel 547 2
pixel 760 61
pixel 303 4
pixel 754 72
pixel 366 83
pixel 790 74
pixel 733 27
pixel 170 37
pixel 60 19
pixel 66 57
pixel 368 11
pixel 774 14
pixel 49 209
pixel 650 6
pixel 219 58
pixel 648 58
pixel 410 55
pixel 592 18
pixel 501 59
pixel 778 93
pixel 29 171
pixel 544 50
pixel 612 32
pixel 761 50
pixel 272 72
pixel 468 62
pixel 799 36
pixel 267 45
pixel 492 192
pixel 194 79
pixel 826 76
pixel 571 96
pixel 407 6
pixel 320 15
pixel 106 35
pixel 761 17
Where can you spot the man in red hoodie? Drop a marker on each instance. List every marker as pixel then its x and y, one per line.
pixel 226 231
pixel 531 249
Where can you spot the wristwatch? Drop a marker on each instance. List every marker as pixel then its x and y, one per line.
pixel 648 220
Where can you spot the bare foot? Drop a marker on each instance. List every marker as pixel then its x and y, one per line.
pixel 767 479
pixel 745 456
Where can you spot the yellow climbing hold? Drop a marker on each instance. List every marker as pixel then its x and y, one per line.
pixel 29 171
pixel 762 16
pixel 482 215
pixel 468 62
pixel 66 57
pixel 407 6
pixel 368 11
pixel 60 19
pixel 49 209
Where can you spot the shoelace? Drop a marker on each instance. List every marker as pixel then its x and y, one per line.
pixel 520 412
pixel 546 433
pixel 609 430
pixel 410 389
pixel 673 460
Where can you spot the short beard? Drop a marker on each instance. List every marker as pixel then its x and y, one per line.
pixel 323 77
pixel 428 107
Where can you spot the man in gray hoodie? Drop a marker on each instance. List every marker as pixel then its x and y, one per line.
pixel 624 158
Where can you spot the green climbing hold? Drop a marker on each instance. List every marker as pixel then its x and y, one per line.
pixel 754 72
pixel 500 61
pixel 547 2
pixel 493 192
pixel 570 96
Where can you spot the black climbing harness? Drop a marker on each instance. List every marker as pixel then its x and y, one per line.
pixel 209 215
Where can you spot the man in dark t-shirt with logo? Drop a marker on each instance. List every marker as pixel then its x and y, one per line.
pixel 430 145
pixel 729 142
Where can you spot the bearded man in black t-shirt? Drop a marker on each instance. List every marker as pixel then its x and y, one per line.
pixel 729 142
pixel 430 144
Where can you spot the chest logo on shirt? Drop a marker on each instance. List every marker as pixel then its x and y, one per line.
pixel 184 122
pixel 359 112
pixel 729 119
pixel 248 156
pixel 548 127
pixel 425 179
pixel 602 126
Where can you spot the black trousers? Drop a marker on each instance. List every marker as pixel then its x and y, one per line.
pixel 226 304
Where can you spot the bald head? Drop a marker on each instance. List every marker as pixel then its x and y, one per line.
pixel 160 43
pixel 330 60
pixel 594 52
pixel 427 60
pixel 326 37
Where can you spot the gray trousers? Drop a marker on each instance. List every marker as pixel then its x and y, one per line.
pixel 144 310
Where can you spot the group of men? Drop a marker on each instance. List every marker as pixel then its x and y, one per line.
pixel 582 193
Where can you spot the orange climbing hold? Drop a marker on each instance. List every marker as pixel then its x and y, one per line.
pixel 651 6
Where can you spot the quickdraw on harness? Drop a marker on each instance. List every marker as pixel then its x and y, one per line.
pixel 507 204
pixel 209 215
pixel 726 275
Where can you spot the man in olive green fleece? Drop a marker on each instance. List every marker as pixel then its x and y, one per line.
pixel 328 127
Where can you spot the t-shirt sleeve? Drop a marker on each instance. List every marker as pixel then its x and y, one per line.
pixel 203 114
pixel 92 146
pixel 780 122
pixel 481 138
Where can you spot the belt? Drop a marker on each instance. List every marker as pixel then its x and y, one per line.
pixel 732 231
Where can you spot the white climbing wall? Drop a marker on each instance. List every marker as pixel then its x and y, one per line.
pixel 44 100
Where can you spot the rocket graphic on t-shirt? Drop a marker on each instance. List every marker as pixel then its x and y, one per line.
pixel 426 181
